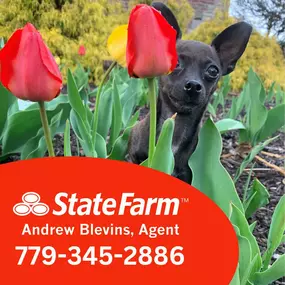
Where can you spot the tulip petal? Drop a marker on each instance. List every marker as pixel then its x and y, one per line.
pixel 30 28
pixel 34 77
pixel 7 54
pixel 151 48
pixel 171 33
pixel 48 59
pixel 117 44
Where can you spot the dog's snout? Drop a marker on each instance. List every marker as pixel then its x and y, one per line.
pixel 193 86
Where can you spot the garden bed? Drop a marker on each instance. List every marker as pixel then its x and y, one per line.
pixel 274 181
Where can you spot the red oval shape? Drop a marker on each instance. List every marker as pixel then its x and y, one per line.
pixel 192 243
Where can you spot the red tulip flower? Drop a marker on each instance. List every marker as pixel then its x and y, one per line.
pixel 151 47
pixel 82 51
pixel 27 67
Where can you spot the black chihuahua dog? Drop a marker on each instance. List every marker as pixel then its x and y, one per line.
pixel 188 89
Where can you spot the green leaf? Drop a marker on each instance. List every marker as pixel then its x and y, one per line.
pixel 244 258
pixel 36 146
pixel 245 189
pixel 280 95
pixel 144 163
pixel 74 98
pixel 249 271
pixel 236 280
pixel 134 89
pixel 128 109
pixel 67 142
pixel 24 125
pixel 238 219
pixel 163 158
pixel 283 239
pixel 7 100
pixel 232 113
pixel 225 125
pixel 271 92
pixel 14 108
pixel 1 43
pixel 252 226
pixel 277 227
pixel 101 149
pixel 260 198
pixel 215 178
pixel 120 148
pixel 275 120
pixel 116 117
pixel 275 272
pixel 105 113
pixel 83 134
pixel 251 156
pixel 211 110
pixel 258 113
pixel 80 77
pixel 239 102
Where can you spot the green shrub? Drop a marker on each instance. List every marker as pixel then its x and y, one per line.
pixel 263 53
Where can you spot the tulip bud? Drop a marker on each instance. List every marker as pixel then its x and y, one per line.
pixel 27 67
pixel 117 44
pixel 151 47
pixel 82 51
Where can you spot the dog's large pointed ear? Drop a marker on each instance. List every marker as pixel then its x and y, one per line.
pixel 168 15
pixel 231 44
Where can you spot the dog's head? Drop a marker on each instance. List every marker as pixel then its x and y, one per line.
pixel 200 66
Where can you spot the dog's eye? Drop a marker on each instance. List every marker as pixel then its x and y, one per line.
pixel 179 64
pixel 212 72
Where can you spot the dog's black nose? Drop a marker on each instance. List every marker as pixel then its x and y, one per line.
pixel 193 87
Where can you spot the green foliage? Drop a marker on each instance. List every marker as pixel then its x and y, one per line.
pixel 257 198
pixel 206 167
pixel 24 125
pixel 264 54
pixel 260 123
pixel 36 146
pixel 163 158
pixel 7 100
pixel 206 160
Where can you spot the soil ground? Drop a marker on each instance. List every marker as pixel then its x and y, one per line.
pixel 274 181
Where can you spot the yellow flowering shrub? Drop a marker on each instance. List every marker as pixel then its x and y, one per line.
pixel 263 53
pixel 66 27
pixel 67 24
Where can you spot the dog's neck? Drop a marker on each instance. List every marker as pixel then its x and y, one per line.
pixel 186 124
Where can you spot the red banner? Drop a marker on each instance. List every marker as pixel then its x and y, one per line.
pixel 68 221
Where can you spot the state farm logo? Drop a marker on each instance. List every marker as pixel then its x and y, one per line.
pixel 31 204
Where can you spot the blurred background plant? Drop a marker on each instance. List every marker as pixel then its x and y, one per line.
pixel 67 24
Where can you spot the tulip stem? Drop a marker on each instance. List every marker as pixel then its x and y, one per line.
pixel 98 96
pixel 46 129
pixel 152 129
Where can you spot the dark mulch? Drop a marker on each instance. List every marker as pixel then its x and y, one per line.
pixel 231 159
